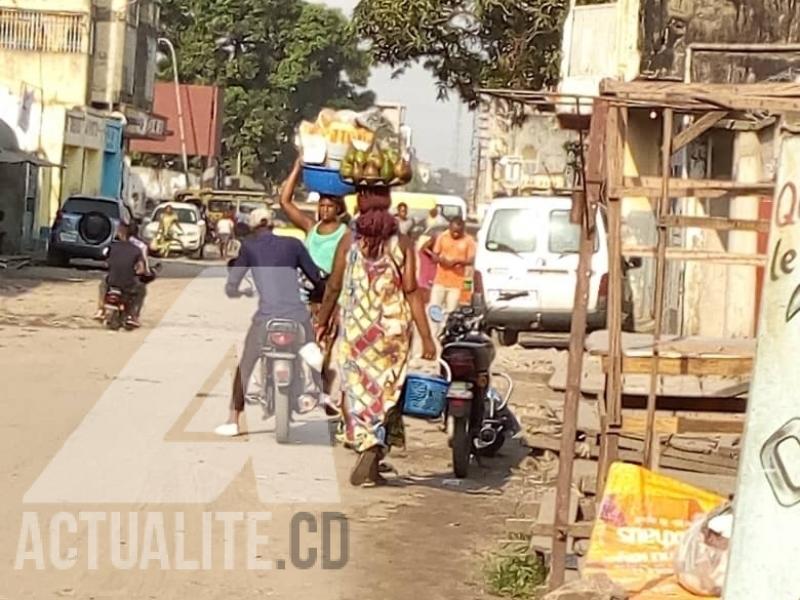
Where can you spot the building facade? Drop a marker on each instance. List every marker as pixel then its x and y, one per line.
pixel 76 82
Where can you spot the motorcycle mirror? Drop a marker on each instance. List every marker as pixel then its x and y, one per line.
pixel 436 313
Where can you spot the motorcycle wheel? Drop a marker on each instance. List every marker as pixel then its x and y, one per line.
pixel 462 446
pixel 283 414
pixel 114 320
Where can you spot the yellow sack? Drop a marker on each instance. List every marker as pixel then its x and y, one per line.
pixel 640 523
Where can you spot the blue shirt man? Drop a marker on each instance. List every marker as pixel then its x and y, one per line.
pixel 274 261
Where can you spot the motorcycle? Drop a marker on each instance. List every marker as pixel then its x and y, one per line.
pixel 116 307
pixel 280 365
pixel 479 414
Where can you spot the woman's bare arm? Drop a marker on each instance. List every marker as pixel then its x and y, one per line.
pixel 296 216
pixel 336 280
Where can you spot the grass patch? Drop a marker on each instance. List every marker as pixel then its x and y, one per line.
pixel 516 571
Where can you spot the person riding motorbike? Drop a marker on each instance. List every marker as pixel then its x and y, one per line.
pixel 146 276
pixel 274 261
pixel 167 224
pixel 126 265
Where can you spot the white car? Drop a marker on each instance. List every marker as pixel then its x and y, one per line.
pixel 193 235
pixel 527 257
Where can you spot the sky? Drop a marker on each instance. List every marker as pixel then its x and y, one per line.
pixel 442 130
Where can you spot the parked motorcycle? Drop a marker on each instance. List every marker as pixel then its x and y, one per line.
pixel 479 414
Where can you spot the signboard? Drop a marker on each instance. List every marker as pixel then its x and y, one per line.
pixel 765 544
pixel 641 521
pixel 142 125
pixel 85 131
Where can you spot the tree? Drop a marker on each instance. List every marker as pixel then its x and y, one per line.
pixel 280 61
pixel 468 44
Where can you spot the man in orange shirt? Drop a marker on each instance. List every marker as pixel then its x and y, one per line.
pixel 453 252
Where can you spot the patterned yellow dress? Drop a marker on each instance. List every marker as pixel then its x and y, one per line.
pixel 373 346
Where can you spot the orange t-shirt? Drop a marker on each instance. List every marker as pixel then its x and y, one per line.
pixel 462 250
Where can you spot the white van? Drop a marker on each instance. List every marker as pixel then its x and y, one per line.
pixel 528 257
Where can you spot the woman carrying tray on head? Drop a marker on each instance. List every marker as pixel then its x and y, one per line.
pixel 322 239
pixel 374 284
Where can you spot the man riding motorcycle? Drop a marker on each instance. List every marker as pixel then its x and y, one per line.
pixel 274 261
pixel 126 264
pixel 167 226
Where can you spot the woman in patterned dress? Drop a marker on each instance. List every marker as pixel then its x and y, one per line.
pixel 375 285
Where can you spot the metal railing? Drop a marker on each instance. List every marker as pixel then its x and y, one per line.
pixel 44 31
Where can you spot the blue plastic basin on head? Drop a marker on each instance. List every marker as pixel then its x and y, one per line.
pixel 325 181
pixel 424 396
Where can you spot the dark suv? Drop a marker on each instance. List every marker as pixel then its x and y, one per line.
pixel 84 228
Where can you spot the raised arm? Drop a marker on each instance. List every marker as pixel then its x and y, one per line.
pixel 296 216
pixel 335 281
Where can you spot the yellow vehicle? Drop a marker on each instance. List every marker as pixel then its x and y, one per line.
pixel 420 205
pixel 217 203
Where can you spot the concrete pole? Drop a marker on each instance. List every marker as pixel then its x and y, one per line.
pixel 740 298
pixel 179 102
pixel 765 546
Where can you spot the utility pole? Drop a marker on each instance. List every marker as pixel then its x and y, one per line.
pixel 179 102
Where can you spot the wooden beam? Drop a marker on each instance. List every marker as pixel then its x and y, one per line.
pixel 716 223
pixel 683 425
pixel 780 89
pixel 662 209
pixel 696 129
pixel 686 365
pixel 723 258
pixel 690 188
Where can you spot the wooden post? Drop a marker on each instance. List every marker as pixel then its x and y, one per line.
pixel 573 397
pixel 612 396
pixel 651 438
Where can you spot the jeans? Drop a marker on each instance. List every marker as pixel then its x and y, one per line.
pixel 253 346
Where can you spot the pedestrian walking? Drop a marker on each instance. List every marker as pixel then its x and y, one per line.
pixel 374 283
pixel 453 252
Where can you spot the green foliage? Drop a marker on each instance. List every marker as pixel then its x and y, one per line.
pixel 516 572
pixel 468 44
pixel 279 61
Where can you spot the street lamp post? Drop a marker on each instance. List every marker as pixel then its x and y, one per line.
pixel 181 128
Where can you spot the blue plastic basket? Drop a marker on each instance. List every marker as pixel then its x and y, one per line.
pixel 424 396
pixel 325 181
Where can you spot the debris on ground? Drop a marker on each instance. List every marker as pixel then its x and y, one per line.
pixel 596 587
pixel 14 262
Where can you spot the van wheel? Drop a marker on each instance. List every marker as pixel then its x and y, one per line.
pixel 508 337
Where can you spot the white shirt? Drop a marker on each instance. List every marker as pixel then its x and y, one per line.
pixel 225 226
pixel 143 248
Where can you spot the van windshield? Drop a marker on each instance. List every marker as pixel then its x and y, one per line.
pixel 450 211
pixel 565 236
pixel 511 230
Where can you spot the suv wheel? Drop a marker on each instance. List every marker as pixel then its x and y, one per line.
pixel 57 259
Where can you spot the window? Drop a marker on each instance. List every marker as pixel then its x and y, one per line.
pixel 44 31
pixel 185 215
pixel 512 230
pixel 81 206
pixel 450 211
pixel 564 236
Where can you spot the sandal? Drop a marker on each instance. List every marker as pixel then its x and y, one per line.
pixel 365 467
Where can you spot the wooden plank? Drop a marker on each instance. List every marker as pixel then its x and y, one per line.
pixel 696 129
pixel 778 89
pixel 689 188
pixel 575 530
pixel 679 425
pixel 741 366
pixel 616 129
pixel 723 258
pixel 662 209
pixel 716 223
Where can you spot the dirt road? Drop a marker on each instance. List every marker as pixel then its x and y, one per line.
pixel 100 501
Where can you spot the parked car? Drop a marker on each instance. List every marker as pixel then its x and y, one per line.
pixel 84 227
pixel 191 240
pixel 527 258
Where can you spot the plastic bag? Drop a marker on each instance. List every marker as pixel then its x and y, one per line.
pixel 702 556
